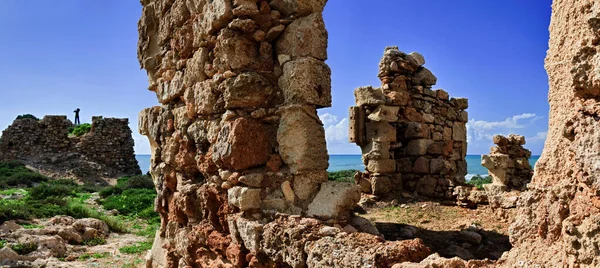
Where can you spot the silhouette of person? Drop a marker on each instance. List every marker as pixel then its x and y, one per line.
pixel 77 122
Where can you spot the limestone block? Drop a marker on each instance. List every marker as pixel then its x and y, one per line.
pixel 215 15
pixel 369 96
pixel 494 189
pixel 416 131
pixel 250 233
pixel 440 166
pixel 247 90
pixel 236 52
pixel 464 116
pixel 334 200
pixel 245 8
pixel 301 139
pixel 169 90
pixel 201 99
pixel 418 147
pixel 288 192
pixel 305 37
pixel 306 81
pixel 424 77
pixel 416 58
pixel 499 176
pixel 382 166
pixel 194 71
pixel 400 98
pixel 298 8
pixel 459 131
pixel 380 131
pixel 307 184
pixel 242 144
pixel 442 95
pixel 421 166
pixel 460 103
pixel 385 113
pixel 376 150
pixel 252 179
pixel 356 133
pixel 244 198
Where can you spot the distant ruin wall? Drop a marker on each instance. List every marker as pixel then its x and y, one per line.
pixel 559 217
pixel 237 145
pixel 412 138
pixel 105 152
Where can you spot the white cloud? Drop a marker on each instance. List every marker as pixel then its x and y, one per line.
pixel 540 136
pixel 485 130
pixel 142 145
pixel 336 131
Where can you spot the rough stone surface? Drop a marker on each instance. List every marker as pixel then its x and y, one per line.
pixel 104 153
pixel 407 128
pixel 557 217
pixel 508 162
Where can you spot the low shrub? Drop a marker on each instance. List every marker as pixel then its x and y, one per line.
pixel 342 175
pixel 81 129
pixel 2 243
pixel 125 183
pixel 87 256
pixel 131 201
pixel 136 248
pixel 478 181
pixel 15 173
pixel 27 116
pixel 95 241
pixel 25 248
pixel 77 210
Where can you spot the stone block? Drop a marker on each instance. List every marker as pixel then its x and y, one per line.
pixel 200 99
pixel 440 166
pixel 418 147
pixel 442 95
pixel 385 114
pixel 382 166
pixel 412 115
pixel 376 150
pixel 416 131
pixel 305 37
pixel 400 98
pixel 244 198
pixel 194 71
pixel 252 179
pixel 247 90
pixel 421 166
pixel 424 77
pixel 356 125
pixel 459 131
pixel 170 89
pixel 242 144
pixel 381 185
pixel 380 131
pixel 250 232
pixel 298 8
pixel 306 81
pixel 369 96
pixel 495 189
pixel 215 15
pixel 334 200
pixel 288 192
pixel 307 184
pixel 416 58
pixel 460 103
pixel 301 139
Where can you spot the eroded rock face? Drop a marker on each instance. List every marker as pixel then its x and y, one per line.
pixel 508 164
pixel 237 140
pixel 411 137
pixel 559 212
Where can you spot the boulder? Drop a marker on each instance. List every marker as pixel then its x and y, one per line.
pixel 334 200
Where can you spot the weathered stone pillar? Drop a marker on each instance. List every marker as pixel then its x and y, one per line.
pixel 411 137
pixel 507 164
pixel 559 217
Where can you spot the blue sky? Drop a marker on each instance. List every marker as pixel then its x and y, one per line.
pixel 60 55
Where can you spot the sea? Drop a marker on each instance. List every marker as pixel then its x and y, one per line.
pixel 342 162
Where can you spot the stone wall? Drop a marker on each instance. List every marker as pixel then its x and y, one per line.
pixel 412 137
pixel 106 152
pixel 508 164
pixel 237 145
pixel 559 216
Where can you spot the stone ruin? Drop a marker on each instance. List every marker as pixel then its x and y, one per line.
pixel 412 138
pixel 236 142
pixel 106 152
pixel 507 164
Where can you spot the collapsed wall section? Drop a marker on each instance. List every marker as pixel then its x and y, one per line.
pixel 412 137
pixel 507 164
pixel 106 152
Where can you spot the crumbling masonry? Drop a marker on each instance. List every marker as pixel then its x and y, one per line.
pixel 106 152
pixel 507 164
pixel 412 137
pixel 237 141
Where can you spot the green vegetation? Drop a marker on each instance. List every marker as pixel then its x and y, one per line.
pixel 2 243
pixel 136 248
pixel 87 256
pixel 81 129
pixel 132 196
pixel 342 175
pixel 125 183
pixel 15 173
pixel 95 241
pixel 82 211
pixel 25 248
pixel 31 226
pixel 27 116
pixel 478 181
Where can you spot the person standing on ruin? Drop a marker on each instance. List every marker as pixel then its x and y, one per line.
pixel 77 122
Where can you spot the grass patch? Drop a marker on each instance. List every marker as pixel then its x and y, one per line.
pixel 87 256
pixel 28 116
pixel 136 248
pixel 32 226
pixel 15 173
pixel 23 249
pixel 342 175
pixel 81 129
pixel 95 241
pixel 2 243
pixel 478 181
pixel 81 211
